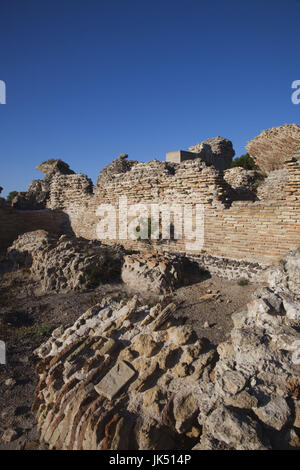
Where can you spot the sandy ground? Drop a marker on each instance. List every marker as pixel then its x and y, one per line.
pixel 208 306
pixel 27 319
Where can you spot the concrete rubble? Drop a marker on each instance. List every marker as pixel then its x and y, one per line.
pixel 152 272
pixel 65 263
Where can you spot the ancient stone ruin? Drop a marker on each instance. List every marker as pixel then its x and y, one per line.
pixel 153 272
pixel 130 377
pixel 134 375
pixel 217 152
pixel 249 223
pixel 38 191
pixel 66 263
pixel 273 146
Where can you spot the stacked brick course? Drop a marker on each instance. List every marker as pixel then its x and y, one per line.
pixel 259 232
pixel 240 236
pixel 274 145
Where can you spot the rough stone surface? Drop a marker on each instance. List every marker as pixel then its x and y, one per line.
pixel 145 345
pixel 65 263
pixel 286 275
pixel 9 435
pixel 152 273
pixel 273 146
pixel 275 413
pixel 234 429
pixel 216 151
pixel 273 187
pixel 34 198
pixel 54 167
pixel 119 165
pixel 244 395
pixel 38 192
pixel 243 183
pixel 115 380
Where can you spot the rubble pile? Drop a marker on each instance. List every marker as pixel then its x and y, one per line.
pixel 132 377
pixel 65 263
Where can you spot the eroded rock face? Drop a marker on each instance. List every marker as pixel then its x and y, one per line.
pixel 217 151
pixel 35 198
pixel 152 272
pixel 285 277
pixel 73 409
pixel 273 187
pixel 62 264
pixel 119 165
pixel 273 146
pixel 38 191
pixel 54 167
pixel 166 386
pixel 243 182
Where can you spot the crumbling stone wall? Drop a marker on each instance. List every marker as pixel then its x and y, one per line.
pixel 273 187
pixel 273 146
pixel 67 191
pixel 240 236
pixel 66 263
pixel 119 165
pixel 38 191
pixel 216 151
pixel 243 183
pixel 259 232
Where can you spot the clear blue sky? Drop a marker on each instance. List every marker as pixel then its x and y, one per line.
pixel 90 79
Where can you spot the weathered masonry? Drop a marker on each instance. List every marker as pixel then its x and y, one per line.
pixel 240 236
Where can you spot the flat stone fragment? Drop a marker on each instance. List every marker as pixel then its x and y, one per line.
pixel 115 380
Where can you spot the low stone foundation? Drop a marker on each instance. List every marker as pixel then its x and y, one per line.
pixel 229 268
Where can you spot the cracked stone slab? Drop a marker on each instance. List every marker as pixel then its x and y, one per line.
pixel 115 380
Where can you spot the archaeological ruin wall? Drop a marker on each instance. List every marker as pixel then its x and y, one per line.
pixel 240 236
pixel 272 146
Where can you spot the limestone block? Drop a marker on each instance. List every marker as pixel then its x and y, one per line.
pixel 115 380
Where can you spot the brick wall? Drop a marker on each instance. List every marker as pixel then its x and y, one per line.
pixel 259 232
pixel 273 146
pixel 240 237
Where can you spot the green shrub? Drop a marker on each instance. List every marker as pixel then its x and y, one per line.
pixel 11 196
pixel 245 161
